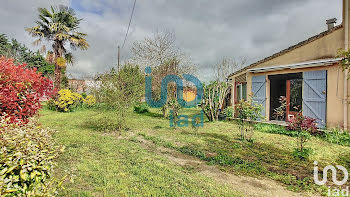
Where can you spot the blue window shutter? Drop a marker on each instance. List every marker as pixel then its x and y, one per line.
pixel 259 92
pixel 314 96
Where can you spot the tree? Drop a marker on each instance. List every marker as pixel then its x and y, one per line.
pixel 156 50
pixel 216 91
pixel 214 96
pixel 59 26
pixel 165 58
pixel 21 54
pixel 120 90
pixel 227 66
pixel 159 50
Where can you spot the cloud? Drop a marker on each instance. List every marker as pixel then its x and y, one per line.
pixel 206 30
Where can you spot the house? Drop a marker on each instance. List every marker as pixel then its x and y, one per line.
pixel 308 74
pixel 82 85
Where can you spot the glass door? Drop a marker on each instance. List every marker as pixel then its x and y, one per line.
pixel 294 97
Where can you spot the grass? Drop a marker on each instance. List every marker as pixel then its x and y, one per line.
pixel 104 165
pixel 334 136
pixel 269 156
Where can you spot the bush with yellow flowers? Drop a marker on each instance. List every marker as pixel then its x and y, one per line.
pixel 89 101
pixel 68 101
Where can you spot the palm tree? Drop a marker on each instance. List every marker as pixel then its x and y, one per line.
pixel 60 26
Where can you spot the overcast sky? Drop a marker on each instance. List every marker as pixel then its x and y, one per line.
pixel 207 30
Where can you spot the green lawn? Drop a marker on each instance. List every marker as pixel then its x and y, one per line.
pixel 119 164
pixel 107 165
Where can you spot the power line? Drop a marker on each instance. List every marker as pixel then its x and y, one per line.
pixel 127 31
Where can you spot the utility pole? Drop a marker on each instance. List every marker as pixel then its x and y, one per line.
pixel 118 58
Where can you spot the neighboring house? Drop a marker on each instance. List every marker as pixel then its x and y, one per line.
pixel 82 85
pixel 77 85
pixel 308 74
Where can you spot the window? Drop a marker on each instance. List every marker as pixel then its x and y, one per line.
pixel 296 92
pixel 241 92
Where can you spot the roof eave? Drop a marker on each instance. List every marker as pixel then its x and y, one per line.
pixel 309 64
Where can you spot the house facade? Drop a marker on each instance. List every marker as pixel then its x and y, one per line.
pixel 308 75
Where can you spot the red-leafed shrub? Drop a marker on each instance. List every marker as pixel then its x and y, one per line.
pixel 304 123
pixel 20 91
pixel 305 127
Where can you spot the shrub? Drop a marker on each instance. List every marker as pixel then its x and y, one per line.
pixel 107 122
pixel 275 129
pixel 141 108
pixel 20 91
pixel 247 112
pixel 174 108
pixel 66 101
pixel 280 112
pixel 303 154
pixel 84 95
pixel 27 160
pixel 304 126
pixel 337 137
pixel 213 98
pixel 334 136
pixel 120 90
pixel 89 101
pixel 51 104
pixel 304 123
pixel 228 112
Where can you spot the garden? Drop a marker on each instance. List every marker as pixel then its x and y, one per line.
pixel 107 141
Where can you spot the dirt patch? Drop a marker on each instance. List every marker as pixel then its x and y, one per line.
pixel 249 186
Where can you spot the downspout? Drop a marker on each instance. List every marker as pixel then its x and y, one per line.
pixel 346 71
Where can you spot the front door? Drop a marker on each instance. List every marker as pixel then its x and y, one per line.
pixel 285 96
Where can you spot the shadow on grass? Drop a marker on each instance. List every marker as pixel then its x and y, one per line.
pixel 151 114
pixel 344 160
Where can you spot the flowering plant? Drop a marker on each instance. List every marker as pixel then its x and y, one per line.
pixel 20 91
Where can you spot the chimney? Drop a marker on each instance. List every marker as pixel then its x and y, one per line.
pixel 331 23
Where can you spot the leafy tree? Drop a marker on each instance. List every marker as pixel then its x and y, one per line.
pixel 21 54
pixel 59 26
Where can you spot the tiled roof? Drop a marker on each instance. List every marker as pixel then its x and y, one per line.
pixel 289 49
